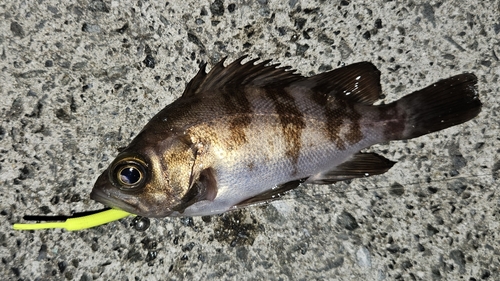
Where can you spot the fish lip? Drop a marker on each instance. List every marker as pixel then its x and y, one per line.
pixel 108 200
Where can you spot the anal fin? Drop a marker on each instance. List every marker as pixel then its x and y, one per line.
pixel 358 166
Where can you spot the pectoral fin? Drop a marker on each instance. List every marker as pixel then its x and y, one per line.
pixel 203 187
pixel 358 166
pixel 270 195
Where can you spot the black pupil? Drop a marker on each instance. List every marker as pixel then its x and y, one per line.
pixel 130 175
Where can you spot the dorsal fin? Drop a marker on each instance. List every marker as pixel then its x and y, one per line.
pixel 237 74
pixel 358 83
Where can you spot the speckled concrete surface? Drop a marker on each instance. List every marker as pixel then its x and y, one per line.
pixel 80 80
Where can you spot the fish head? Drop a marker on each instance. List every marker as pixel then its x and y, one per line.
pixel 147 180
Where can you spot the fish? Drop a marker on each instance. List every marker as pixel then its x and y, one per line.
pixel 246 133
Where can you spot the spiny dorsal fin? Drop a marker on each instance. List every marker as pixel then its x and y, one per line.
pixel 358 83
pixel 237 74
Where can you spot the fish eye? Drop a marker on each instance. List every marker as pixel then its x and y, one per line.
pixel 129 175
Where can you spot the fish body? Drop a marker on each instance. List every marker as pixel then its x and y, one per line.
pixel 245 133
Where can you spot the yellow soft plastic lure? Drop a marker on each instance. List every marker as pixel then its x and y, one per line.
pixel 79 223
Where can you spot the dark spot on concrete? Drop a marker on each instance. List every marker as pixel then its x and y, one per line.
pixel 347 221
pixel 431 230
pixel 231 229
pixel 17 29
pixel 393 249
pixel 30 74
pixel 273 216
pixel 457 159
pixel 217 8
pixel 401 30
pixel 27 172
pixel 45 210
pixel 485 274
pixel 458 187
pixel 300 22
pixel 231 7
pixel 378 24
pixel 42 253
pixel 91 28
pixel 16 271
pixel 448 57
pixel 301 49
pixel 72 105
pixel 194 39
pixel 62 115
pixel 306 35
pixel 344 49
pixel 496 28
pixel 454 43
pixel 428 13
pixel 122 29
pixel 486 63
pixel 396 189
pixel 149 61
pixel 151 256
pixel 54 200
pixel 62 265
pixel 432 189
pixel 367 35
pixel 242 253
pixel 134 255
pixel 325 68
pixel 436 274
pixel 75 198
pixel 79 65
pixel 16 108
pixel 495 171
pixel 98 6
pixel 325 39
pixel 459 258
pixel 338 262
pixel 187 221
pixel 188 247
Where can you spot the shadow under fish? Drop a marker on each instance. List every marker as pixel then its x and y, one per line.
pixel 246 133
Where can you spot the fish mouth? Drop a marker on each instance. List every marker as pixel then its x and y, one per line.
pixel 106 199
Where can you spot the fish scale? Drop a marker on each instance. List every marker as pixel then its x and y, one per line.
pixel 243 134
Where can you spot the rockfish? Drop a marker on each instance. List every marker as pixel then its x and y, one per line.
pixel 245 133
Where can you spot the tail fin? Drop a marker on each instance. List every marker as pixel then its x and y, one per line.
pixel 444 104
